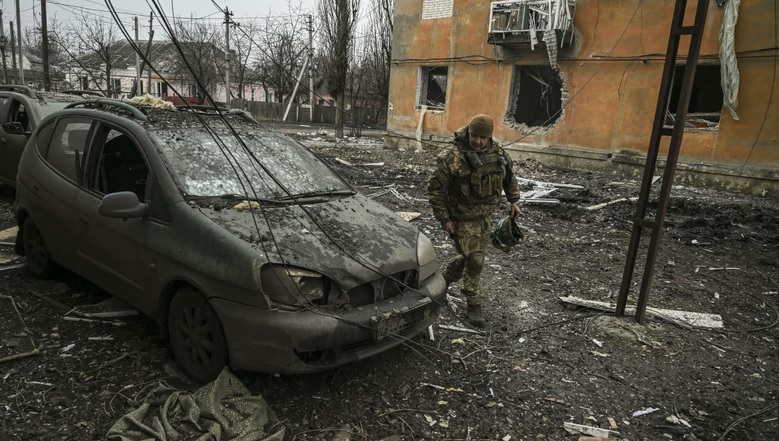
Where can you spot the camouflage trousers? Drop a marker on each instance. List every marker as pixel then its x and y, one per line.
pixel 470 240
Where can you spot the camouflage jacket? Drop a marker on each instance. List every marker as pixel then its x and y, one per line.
pixel 467 184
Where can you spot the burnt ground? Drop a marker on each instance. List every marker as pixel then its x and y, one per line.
pixel 539 364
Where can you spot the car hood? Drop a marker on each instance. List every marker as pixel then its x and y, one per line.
pixel 352 240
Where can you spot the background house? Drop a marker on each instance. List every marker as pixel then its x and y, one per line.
pixel 206 60
pixel 590 101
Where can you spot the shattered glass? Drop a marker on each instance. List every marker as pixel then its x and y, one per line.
pixel 265 166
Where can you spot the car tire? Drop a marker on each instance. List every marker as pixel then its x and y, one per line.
pixel 37 255
pixel 196 336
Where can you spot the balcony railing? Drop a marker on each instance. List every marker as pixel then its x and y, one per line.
pixel 527 23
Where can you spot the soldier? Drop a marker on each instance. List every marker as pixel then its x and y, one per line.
pixel 464 191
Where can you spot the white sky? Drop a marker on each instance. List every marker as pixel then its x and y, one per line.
pixel 63 10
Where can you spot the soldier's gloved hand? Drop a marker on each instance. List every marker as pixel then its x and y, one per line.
pixel 514 211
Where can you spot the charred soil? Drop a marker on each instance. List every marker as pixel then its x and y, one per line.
pixel 539 363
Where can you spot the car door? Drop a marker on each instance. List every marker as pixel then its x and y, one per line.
pixel 9 159
pixel 51 182
pixel 110 251
pixel 13 144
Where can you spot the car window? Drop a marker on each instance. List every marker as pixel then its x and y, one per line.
pixel 120 164
pixel 203 167
pixel 19 114
pixel 66 151
pixel 44 137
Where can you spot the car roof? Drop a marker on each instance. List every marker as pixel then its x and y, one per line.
pixel 159 116
pixel 38 95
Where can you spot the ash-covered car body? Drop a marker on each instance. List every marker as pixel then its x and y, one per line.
pixel 250 252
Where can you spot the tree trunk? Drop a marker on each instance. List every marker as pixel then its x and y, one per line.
pixel 339 114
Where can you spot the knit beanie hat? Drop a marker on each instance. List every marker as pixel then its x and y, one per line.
pixel 481 125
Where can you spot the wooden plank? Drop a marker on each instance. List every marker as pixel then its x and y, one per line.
pixel 688 318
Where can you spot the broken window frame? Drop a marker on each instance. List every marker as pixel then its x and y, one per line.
pixel 127 160
pixel 697 118
pixel 516 91
pixel 424 80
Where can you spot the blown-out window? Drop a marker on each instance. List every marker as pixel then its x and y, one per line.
pixel 705 99
pixel 431 87
pixel 537 95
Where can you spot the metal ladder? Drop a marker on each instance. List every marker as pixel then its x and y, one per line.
pixel 641 222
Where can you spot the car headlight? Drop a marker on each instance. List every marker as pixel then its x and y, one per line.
pixel 426 259
pixel 291 285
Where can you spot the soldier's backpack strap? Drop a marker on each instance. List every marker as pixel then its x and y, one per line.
pixel 509 175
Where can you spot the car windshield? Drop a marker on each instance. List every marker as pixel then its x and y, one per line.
pixel 274 166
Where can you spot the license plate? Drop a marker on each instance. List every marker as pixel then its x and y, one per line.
pixel 397 320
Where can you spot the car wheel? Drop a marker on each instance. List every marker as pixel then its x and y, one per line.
pixel 37 255
pixel 196 336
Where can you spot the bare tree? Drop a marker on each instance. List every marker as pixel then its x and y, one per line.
pixel 32 41
pixel 93 39
pixel 283 47
pixel 378 52
pixel 337 22
pixel 243 42
pixel 368 74
pixel 200 45
pixel 72 60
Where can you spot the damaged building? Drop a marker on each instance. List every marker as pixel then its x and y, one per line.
pixel 575 83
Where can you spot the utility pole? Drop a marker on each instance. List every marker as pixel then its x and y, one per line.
pixel 138 89
pixel 311 68
pixel 45 47
pixel 3 41
pixel 227 57
pixel 19 38
pixel 148 52
pixel 13 54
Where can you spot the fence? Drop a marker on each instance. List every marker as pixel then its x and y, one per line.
pixel 300 113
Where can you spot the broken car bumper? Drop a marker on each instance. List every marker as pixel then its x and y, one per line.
pixel 317 339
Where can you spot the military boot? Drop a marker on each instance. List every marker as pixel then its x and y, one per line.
pixel 448 281
pixel 475 316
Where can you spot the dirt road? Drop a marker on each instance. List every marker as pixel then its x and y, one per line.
pixel 540 364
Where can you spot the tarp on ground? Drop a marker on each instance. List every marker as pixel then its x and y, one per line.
pixel 221 410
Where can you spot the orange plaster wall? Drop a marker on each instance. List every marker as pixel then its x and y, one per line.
pixel 610 103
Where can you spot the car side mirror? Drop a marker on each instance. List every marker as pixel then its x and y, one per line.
pixel 15 128
pixel 123 205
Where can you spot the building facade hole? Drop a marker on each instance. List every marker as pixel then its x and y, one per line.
pixel 537 96
pixel 431 87
pixel 706 98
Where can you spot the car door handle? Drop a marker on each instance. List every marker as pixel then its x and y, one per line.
pixel 84 222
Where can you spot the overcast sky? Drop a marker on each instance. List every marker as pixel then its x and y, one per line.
pixel 66 11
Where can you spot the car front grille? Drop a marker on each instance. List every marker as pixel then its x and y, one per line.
pixel 382 289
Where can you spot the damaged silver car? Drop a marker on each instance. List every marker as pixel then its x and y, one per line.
pixel 248 250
